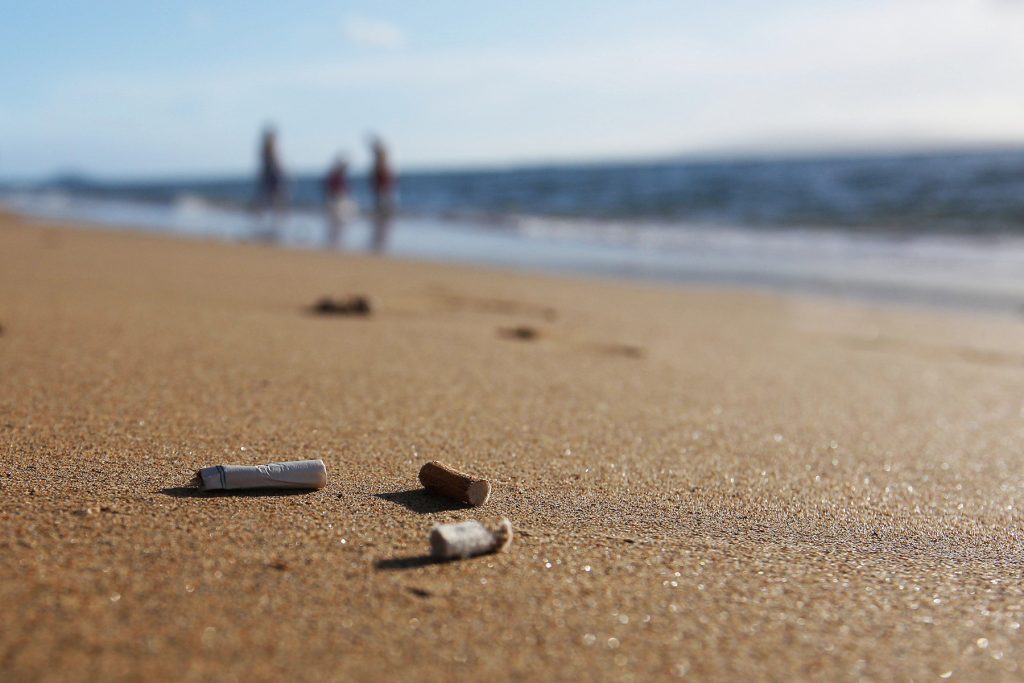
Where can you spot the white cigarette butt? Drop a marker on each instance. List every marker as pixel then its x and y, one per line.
pixel 298 474
pixel 466 539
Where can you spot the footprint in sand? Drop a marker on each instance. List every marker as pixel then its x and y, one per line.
pixel 528 333
pixel 934 351
pixel 627 350
pixel 520 333
pixel 496 305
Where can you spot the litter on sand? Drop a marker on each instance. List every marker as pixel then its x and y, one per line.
pixel 298 474
pixel 354 305
pixel 448 481
pixel 466 539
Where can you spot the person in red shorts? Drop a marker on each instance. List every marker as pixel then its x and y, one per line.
pixel 338 203
pixel 383 183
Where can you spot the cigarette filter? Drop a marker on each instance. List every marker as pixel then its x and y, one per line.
pixel 466 539
pixel 448 481
pixel 298 474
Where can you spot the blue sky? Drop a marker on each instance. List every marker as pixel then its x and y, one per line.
pixel 153 88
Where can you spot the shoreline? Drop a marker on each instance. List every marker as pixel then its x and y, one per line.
pixel 704 483
pixel 926 304
pixel 935 272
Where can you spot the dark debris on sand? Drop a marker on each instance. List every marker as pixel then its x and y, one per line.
pixel 353 305
pixel 521 332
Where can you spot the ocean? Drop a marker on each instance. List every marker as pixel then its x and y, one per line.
pixel 935 228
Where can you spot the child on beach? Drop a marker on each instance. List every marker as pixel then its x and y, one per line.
pixel 339 206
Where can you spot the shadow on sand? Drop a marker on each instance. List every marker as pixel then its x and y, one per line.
pixel 195 492
pixel 422 501
pixel 411 562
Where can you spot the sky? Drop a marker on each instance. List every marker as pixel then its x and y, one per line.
pixel 128 89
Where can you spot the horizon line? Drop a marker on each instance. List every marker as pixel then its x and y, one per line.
pixel 721 155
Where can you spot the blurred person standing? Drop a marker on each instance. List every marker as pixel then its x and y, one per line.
pixel 271 194
pixel 382 180
pixel 338 204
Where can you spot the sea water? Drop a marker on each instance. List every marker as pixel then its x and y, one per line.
pixel 943 228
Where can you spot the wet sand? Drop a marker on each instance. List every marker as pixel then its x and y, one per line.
pixel 705 484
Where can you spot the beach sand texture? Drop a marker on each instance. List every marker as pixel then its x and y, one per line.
pixel 704 484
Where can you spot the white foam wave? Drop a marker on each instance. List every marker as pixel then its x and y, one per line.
pixel 949 266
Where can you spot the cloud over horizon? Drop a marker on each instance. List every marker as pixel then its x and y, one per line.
pixel 373 32
pixel 505 89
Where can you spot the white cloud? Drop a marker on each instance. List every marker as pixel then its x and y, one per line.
pixel 864 73
pixel 373 33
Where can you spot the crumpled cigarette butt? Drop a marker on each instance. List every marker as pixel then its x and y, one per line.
pixel 448 481
pixel 466 539
pixel 354 305
pixel 298 474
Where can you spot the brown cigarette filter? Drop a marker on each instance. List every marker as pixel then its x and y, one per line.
pixel 448 481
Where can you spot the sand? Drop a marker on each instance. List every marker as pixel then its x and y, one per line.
pixel 706 484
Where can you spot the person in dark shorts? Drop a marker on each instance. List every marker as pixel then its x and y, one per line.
pixel 271 195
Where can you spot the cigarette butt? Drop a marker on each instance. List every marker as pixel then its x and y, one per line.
pixel 448 481
pixel 466 539
pixel 298 474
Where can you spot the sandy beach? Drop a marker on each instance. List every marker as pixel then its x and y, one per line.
pixel 706 484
